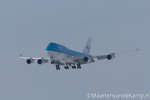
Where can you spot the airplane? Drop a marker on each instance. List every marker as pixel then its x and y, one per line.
pixel 60 55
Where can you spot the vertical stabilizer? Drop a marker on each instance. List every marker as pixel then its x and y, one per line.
pixel 87 47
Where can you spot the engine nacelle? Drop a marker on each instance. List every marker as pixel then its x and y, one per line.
pixel 111 56
pixel 30 61
pixel 41 61
pixel 86 59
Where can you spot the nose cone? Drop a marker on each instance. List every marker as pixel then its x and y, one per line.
pixel 48 47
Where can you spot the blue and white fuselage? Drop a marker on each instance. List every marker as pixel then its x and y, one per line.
pixel 62 54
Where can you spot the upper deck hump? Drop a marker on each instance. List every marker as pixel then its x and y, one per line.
pixel 60 48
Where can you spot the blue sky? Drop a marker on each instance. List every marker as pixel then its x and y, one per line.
pixel 27 27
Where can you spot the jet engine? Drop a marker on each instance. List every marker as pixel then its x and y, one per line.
pixel 86 59
pixel 30 61
pixel 41 61
pixel 111 56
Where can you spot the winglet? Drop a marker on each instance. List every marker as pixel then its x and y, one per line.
pixel 137 49
pixel 20 55
pixel 128 51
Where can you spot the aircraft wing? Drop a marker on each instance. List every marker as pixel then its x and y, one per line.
pixel 28 57
pixel 34 58
pixel 112 55
pixel 101 57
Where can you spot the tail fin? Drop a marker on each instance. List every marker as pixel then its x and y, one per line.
pixel 87 47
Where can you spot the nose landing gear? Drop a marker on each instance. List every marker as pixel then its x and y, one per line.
pixel 57 67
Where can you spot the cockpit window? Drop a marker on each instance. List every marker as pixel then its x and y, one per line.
pixel 51 44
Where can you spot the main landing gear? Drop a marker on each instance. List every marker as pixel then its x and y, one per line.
pixel 74 67
pixel 66 67
pixel 57 67
pixel 78 66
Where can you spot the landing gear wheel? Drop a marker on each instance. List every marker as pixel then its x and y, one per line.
pixel 73 67
pixel 57 67
pixel 66 67
pixel 78 66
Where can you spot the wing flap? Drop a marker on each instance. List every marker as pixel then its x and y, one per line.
pixel 100 57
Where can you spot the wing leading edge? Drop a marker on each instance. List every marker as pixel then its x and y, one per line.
pixel 35 58
pixel 112 55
